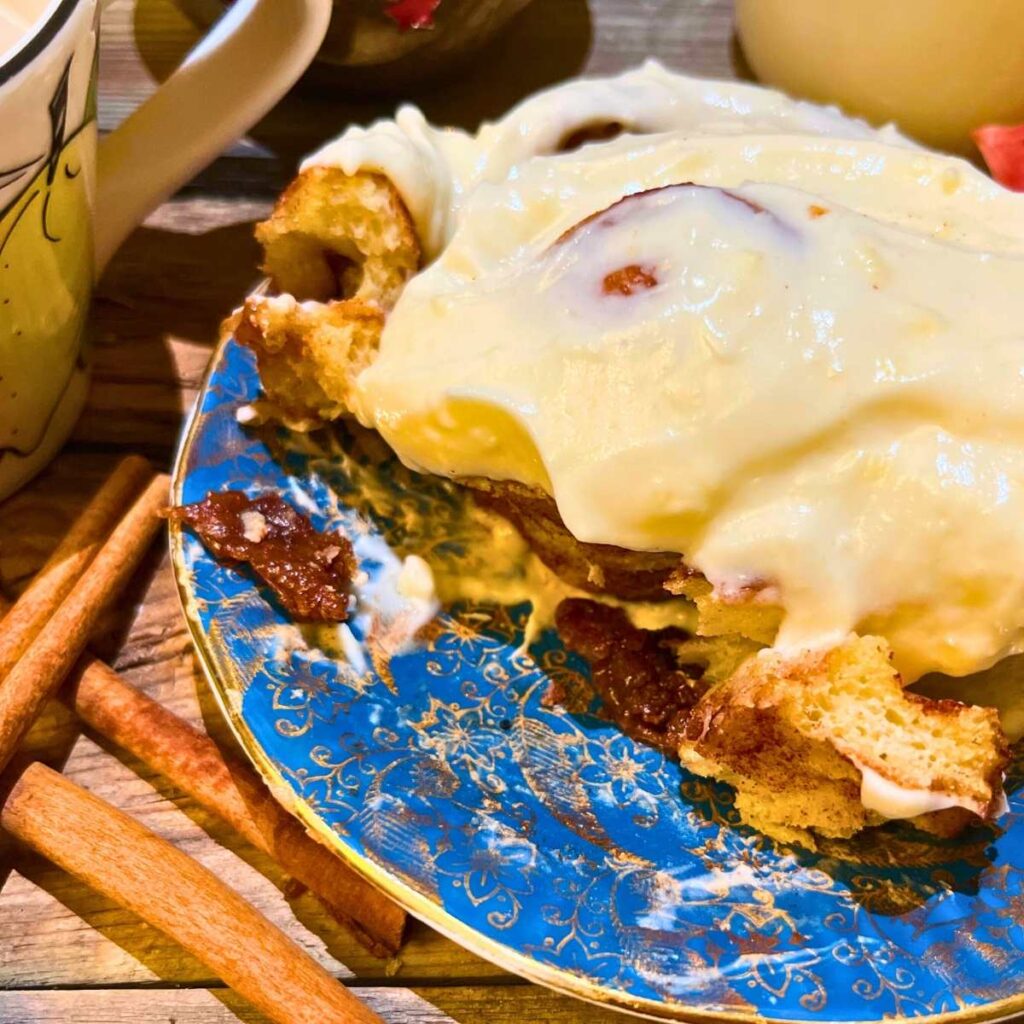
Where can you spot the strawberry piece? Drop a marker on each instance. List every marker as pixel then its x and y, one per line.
pixel 1002 146
pixel 408 14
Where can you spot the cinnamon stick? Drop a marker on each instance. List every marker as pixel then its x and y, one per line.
pixel 118 857
pixel 43 667
pixel 231 790
pixel 69 559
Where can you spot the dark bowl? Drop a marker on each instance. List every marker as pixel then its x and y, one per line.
pixel 367 51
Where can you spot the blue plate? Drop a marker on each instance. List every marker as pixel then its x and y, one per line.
pixel 541 838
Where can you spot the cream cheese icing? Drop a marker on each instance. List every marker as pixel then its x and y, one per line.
pixel 749 330
pixel 893 801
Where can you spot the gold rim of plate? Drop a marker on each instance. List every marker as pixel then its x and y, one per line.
pixel 415 903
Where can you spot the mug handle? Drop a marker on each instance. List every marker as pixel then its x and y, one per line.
pixel 242 67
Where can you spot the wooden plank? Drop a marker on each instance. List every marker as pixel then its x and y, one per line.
pixel 454 1004
pixel 157 316
pixel 196 1006
pixel 513 1004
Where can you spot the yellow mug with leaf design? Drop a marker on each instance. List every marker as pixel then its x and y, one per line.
pixel 68 199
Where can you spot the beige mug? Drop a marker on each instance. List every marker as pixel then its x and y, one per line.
pixel 68 199
pixel 937 68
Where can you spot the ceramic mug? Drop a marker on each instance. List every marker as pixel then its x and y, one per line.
pixel 938 68
pixel 67 199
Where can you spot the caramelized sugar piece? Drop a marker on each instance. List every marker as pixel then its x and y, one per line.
pixel 643 688
pixel 309 572
pixel 627 280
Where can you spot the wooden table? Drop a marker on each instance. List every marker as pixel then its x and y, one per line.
pixel 67 955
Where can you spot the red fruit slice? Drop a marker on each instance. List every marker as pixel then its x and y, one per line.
pixel 412 13
pixel 1002 146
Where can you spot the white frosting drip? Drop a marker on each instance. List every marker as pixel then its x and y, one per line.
pixel 827 394
pixel 890 800
pixel 415 581
pixel 396 602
